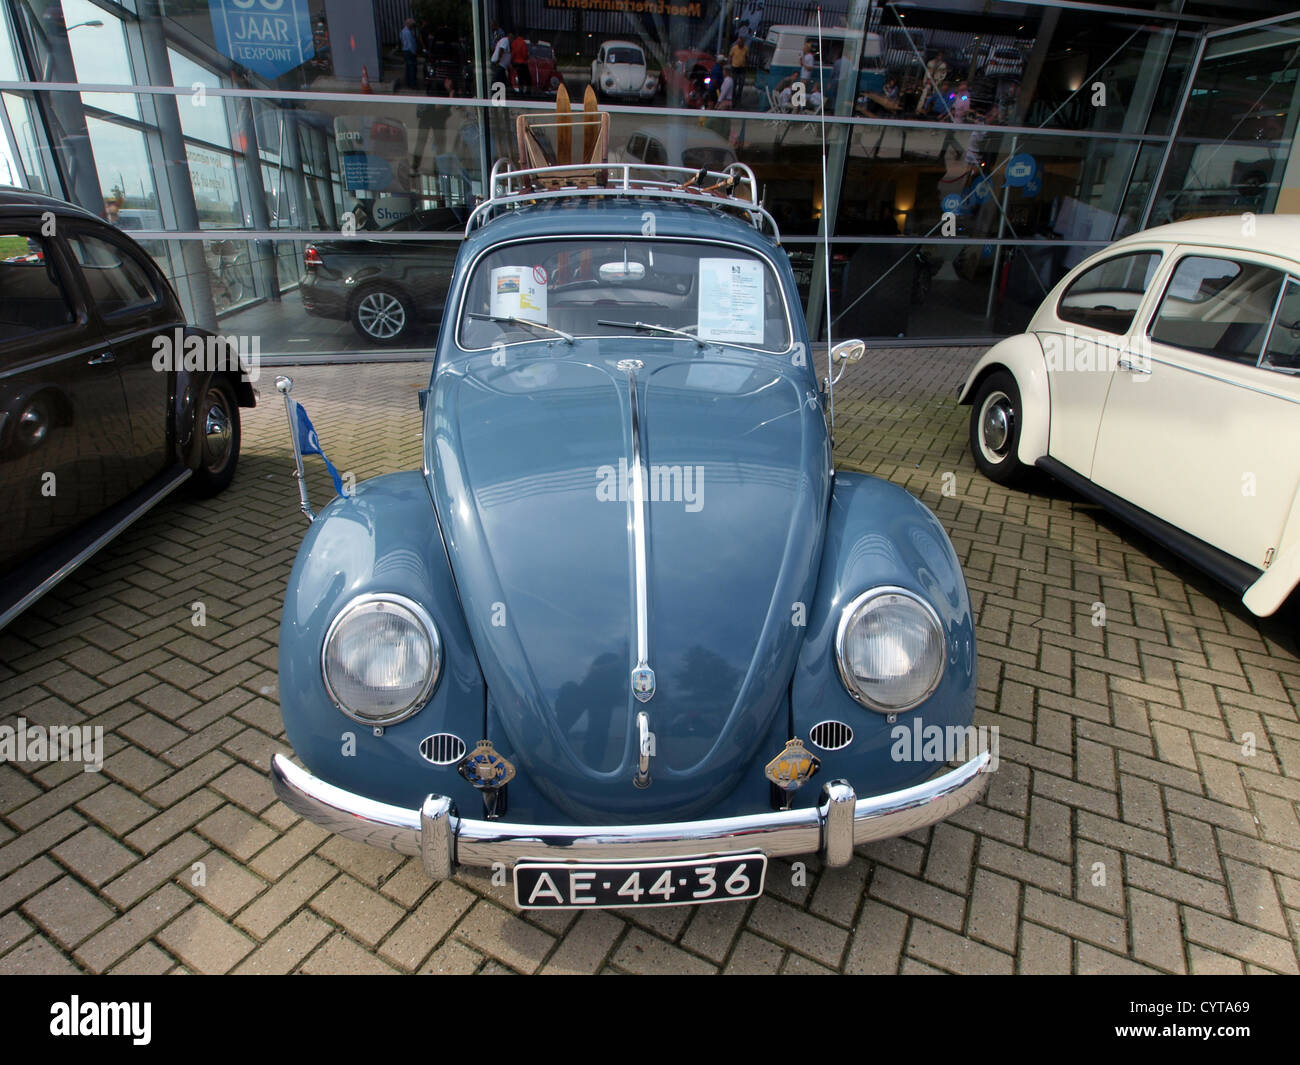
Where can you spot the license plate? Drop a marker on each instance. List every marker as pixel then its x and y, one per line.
pixel 569 886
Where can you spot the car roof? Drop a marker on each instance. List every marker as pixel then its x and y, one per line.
pixel 1274 234
pixel 11 197
pixel 622 44
pixel 623 216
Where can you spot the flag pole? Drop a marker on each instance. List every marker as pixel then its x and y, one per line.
pixel 284 385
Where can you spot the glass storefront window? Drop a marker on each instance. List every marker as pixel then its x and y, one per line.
pixel 1238 128
pixel 97 40
pixel 974 153
pixel 126 177
pixel 203 117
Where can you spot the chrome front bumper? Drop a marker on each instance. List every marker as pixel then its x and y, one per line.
pixel 442 840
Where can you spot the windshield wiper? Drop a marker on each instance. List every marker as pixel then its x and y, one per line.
pixel 647 327
pixel 511 320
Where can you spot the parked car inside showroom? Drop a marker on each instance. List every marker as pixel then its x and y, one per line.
pixel 628 631
pixel 95 428
pixel 385 287
pixel 620 71
pixel 1159 379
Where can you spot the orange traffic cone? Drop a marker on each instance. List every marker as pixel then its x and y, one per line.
pixel 365 81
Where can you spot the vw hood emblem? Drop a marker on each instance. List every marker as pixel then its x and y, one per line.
pixel 643 683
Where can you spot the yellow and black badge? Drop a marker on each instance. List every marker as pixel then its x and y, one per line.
pixel 793 767
pixel 486 769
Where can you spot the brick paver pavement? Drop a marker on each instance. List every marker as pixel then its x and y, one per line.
pixel 1144 816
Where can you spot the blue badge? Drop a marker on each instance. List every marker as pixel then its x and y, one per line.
pixel 1022 169
pixel 268 37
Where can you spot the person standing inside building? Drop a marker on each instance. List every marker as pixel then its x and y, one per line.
pixel 727 91
pixel 519 59
pixel 739 59
pixel 410 51
pixel 807 63
pixel 500 57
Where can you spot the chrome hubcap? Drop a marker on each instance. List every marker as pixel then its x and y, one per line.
pixel 32 426
pixel 996 422
pixel 216 433
pixel 381 315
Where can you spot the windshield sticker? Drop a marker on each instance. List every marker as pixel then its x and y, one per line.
pixel 517 292
pixel 731 300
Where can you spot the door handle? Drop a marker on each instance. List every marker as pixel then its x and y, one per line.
pixel 102 359
pixel 1134 367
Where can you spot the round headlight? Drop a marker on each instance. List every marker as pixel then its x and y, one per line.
pixel 381 658
pixel 890 649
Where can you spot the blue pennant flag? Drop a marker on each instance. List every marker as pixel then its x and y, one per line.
pixel 309 442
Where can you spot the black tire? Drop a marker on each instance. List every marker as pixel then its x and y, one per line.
pixel 216 421
pixel 382 315
pixel 995 420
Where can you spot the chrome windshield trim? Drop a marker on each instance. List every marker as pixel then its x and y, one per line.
pixel 636 505
pixel 721 242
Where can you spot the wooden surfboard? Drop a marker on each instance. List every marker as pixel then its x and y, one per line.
pixel 591 128
pixel 564 127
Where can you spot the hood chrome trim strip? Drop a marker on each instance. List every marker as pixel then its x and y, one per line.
pixel 643 677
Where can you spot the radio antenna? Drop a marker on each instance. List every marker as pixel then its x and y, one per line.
pixel 826 226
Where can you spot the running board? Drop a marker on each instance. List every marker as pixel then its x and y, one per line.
pixel 36 575
pixel 1228 570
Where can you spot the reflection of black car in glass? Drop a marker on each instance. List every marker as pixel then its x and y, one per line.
pixel 447 69
pixel 99 419
pixel 385 288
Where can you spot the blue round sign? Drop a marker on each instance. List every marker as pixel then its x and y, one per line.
pixel 1034 186
pixel 951 202
pixel 1021 169
pixel 983 190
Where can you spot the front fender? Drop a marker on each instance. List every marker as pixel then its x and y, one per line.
pixel 878 534
pixel 382 539
pixel 1023 357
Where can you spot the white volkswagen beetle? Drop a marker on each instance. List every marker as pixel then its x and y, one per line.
pixel 1161 379
pixel 620 70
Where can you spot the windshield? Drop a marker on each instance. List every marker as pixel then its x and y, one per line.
pixel 718 293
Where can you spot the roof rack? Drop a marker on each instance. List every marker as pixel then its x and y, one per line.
pixel 733 189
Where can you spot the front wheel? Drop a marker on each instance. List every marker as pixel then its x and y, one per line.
pixel 217 423
pixel 382 316
pixel 995 428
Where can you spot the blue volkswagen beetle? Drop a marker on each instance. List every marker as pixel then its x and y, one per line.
pixel 627 634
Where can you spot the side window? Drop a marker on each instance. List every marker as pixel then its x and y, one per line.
pixel 1106 296
pixel 34 296
pixel 654 152
pixel 636 146
pixel 1218 307
pixel 117 282
pixel 1282 352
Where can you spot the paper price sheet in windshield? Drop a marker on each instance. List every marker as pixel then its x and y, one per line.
pixel 731 301
pixel 519 292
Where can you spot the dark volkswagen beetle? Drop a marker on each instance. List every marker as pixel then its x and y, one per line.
pixel 627 611
pixel 98 420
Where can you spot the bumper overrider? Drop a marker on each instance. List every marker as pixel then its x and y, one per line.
pixel 443 840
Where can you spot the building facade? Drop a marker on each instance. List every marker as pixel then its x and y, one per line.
pixel 955 156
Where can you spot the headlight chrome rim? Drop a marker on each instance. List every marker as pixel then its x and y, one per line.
pixel 430 631
pixel 842 632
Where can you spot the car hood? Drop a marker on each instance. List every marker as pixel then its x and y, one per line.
pixel 628 77
pixel 529 469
